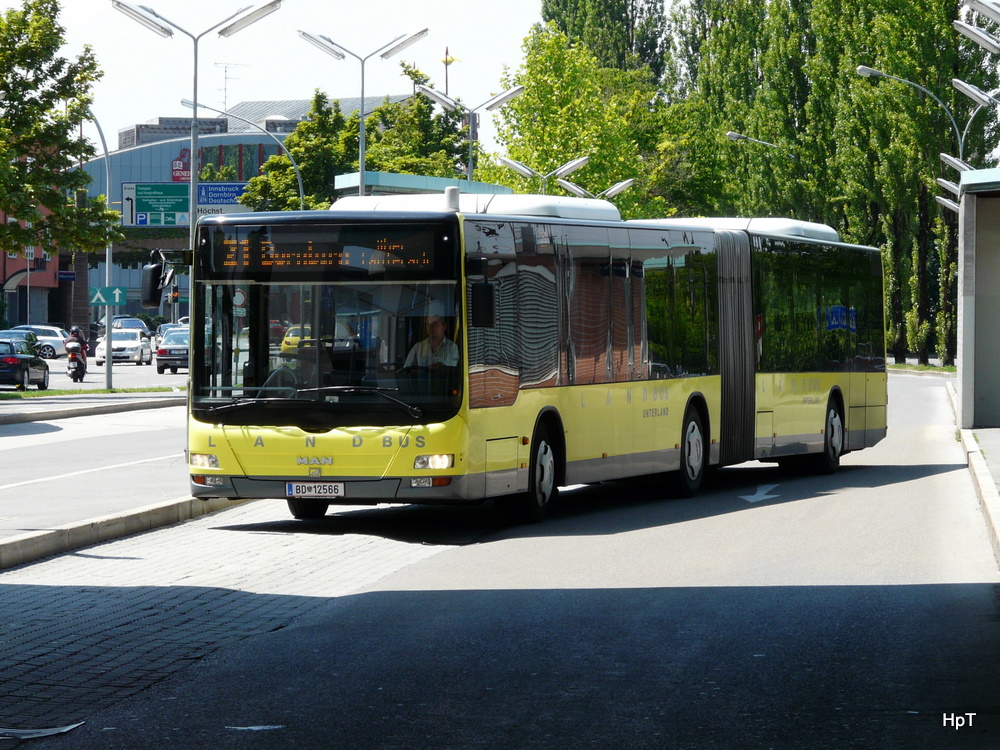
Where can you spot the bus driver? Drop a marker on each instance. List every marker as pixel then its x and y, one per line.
pixel 437 349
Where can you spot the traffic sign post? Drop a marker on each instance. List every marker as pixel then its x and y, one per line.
pixel 166 204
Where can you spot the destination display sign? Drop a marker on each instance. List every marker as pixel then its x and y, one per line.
pixel 371 249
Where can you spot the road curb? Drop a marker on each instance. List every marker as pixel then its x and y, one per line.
pixel 84 411
pixel 986 488
pixel 982 478
pixel 36 545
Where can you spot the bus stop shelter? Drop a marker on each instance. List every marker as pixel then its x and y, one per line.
pixel 978 383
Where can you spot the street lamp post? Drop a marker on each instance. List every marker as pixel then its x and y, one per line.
pixel 224 113
pixel 526 171
pixel 340 52
pixel 157 23
pixel 451 105
pixel 107 252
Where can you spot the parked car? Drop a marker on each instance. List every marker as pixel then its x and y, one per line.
pixel 22 335
pixel 21 366
pixel 163 328
pixel 132 324
pixel 127 345
pixel 98 327
pixel 51 340
pixel 173 350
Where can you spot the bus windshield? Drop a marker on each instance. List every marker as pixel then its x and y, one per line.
pixel 326 324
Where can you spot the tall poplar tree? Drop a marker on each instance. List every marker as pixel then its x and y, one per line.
pixel 624 34
pixel 861 155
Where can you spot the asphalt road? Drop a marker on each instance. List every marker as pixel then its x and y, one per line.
pixel 68 470
pixel 858 610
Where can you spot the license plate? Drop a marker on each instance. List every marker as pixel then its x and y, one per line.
pixel 314 489
pixel 178 352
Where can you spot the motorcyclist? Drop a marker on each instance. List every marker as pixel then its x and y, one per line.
pixel 75 334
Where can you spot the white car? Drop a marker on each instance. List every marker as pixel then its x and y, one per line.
pixel 51 340
pixel 127 345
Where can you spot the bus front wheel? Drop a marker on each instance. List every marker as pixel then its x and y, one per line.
pixel 306 509
pixel 543 487
pixel 833 439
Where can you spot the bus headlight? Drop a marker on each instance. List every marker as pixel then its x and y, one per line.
pixel 434 461
pixel 204 460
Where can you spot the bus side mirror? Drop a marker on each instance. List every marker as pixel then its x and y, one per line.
pixel 152 275
pixel 484 296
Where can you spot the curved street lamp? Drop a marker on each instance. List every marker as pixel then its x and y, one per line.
pixel 451 105
pixel 224 113
pixel 561 171
pixel 734 136
pixel 980 97
pixel 580 192
pixel 157 23
pixel 340 52
pixel 866 72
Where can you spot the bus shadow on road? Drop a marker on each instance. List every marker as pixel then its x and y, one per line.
pixel 604 508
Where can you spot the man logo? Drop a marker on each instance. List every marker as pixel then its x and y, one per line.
pixel 314 460
pixel 316 472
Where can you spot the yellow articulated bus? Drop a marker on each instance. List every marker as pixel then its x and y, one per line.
pixel 453 349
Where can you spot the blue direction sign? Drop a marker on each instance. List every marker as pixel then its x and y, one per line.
pixel 108 295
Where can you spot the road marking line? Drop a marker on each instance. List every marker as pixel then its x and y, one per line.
pixel 87 471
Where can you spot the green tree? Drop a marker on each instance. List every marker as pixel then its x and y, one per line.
pixel 403 137
pixel 44 99
pixel 318 146
pixel 623 34
pixel 571 107
pixel 859 155
pixel 213 173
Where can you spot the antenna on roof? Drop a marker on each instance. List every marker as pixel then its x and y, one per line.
pixel 226 78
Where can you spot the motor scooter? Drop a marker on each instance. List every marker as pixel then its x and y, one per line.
pixel 76 361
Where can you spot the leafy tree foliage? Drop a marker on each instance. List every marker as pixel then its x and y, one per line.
pixel 43 100
pixel 403 137
pixel 624 34
pixel 572 107
pixel 861 155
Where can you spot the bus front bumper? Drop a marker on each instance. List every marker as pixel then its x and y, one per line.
pixel 355 491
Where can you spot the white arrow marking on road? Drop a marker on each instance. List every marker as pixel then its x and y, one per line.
pixel 762 490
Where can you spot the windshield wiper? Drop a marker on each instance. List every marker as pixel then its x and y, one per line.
pixel 414 411
pixel 239 403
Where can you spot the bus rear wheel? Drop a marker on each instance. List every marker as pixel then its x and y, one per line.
pixel 692 469
pixel 306 509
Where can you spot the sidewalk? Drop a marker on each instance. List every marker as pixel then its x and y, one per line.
pixel 83 404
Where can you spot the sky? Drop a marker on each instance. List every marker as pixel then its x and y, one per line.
pixel 146 75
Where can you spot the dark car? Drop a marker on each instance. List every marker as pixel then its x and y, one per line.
pixel 173 350
pixel 21 366
pixel 130 324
